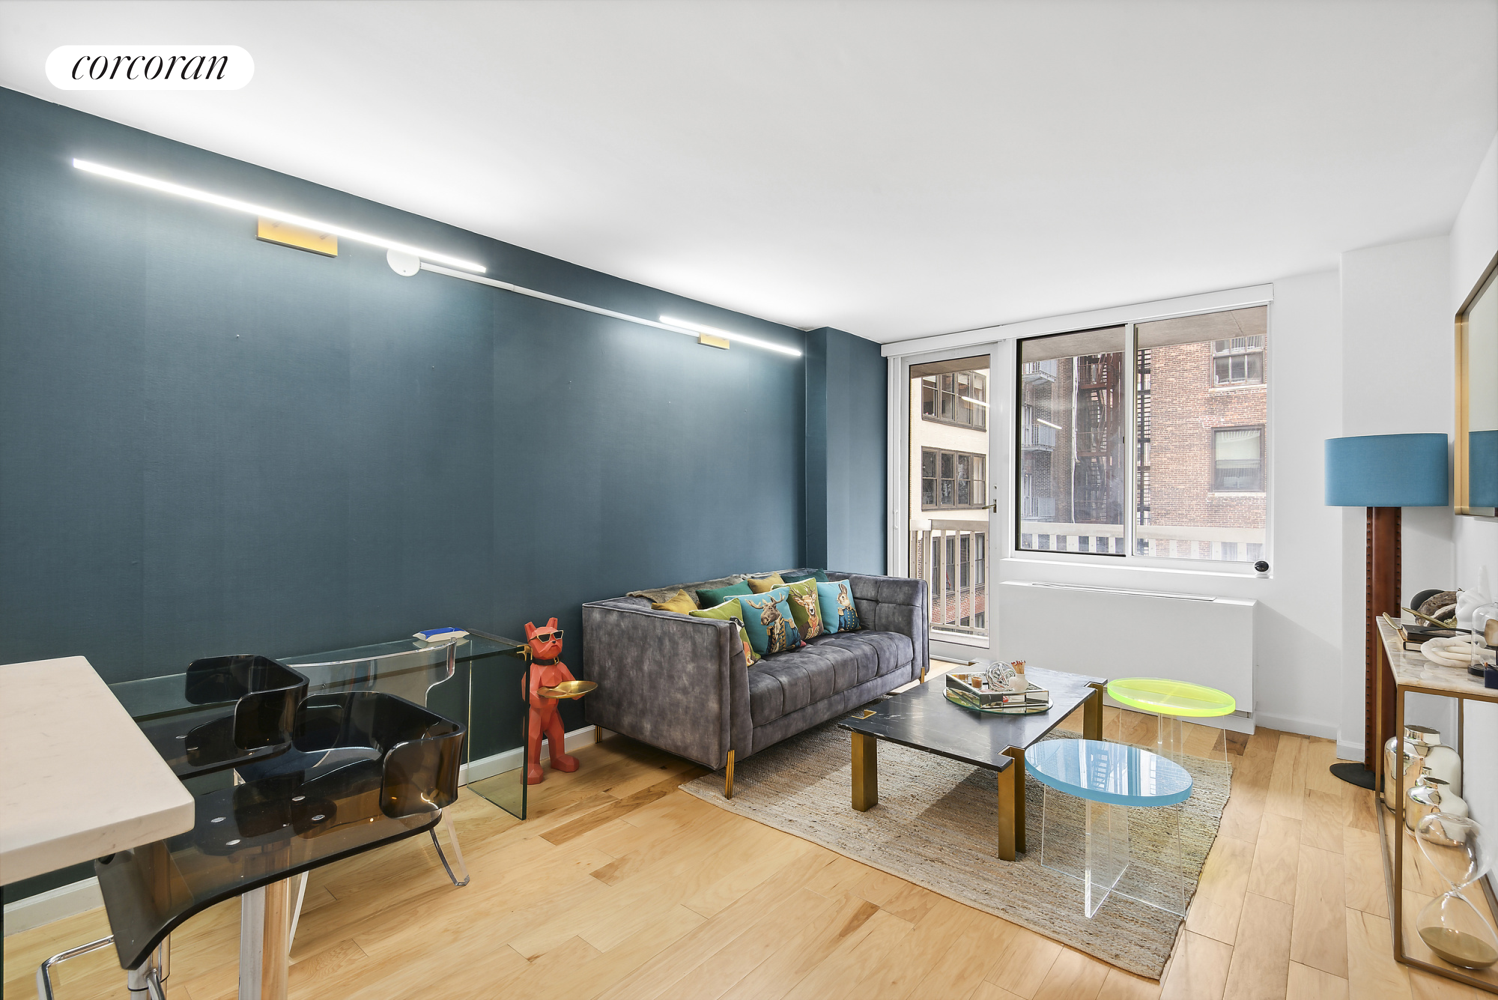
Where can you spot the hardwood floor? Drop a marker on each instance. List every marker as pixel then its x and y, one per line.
pixel 621 887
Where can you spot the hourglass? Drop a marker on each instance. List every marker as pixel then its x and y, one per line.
pixel 1450 925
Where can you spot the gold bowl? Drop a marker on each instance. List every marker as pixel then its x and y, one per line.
pixel 568 689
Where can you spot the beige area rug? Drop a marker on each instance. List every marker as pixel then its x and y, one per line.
pixel 935 826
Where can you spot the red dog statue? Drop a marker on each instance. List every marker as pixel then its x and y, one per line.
pixel 547 671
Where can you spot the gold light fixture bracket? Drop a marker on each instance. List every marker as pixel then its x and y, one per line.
pixel 711 341
pixel 288 235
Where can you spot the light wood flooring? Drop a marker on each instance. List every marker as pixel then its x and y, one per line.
pixel 621 886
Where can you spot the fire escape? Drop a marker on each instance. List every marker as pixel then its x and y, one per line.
pixel 1099 423
pixel 1143 420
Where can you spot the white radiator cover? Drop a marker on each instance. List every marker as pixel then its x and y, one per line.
pixel 1133 633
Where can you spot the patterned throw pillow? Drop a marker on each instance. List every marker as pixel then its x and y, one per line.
pixel 803 601
pixel 768 619
pixel 730 609
pixel 838 612
pixel 765 584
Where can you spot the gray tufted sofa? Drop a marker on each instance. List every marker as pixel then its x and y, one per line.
pixel 680 683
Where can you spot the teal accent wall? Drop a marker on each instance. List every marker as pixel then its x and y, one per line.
pixel 846 394
pixel 210 444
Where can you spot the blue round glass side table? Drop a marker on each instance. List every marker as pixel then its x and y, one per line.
pixel 1085 830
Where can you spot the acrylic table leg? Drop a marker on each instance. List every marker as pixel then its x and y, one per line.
pixel 1092 714
pixel 865 772
pixel 1009 778
pixel 275 957
pixel 1018 767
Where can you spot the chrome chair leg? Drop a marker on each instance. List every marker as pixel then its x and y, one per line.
pixel 44 971
pixel 452 835
pixel 148 980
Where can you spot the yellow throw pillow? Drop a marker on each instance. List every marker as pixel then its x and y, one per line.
pixel 681 604
pixel 765 584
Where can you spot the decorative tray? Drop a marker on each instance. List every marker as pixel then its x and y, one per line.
pixel 958 697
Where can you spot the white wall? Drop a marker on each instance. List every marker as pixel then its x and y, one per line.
pixel 1296 636
pixel 1474 241
pixel 1398 358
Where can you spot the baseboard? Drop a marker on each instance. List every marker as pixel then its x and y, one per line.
pixel 1300 727
pixel 1349 751
pixel 54 904
pixel 67 900
pixel 509 760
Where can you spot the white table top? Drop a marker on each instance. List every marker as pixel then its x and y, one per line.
pixel 1411 669
pixel 78 779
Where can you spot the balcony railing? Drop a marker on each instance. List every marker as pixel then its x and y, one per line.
pixel 951 556
pixel 1037 435
pixel 1040 371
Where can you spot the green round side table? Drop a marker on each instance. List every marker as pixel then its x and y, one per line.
pixel 1172 701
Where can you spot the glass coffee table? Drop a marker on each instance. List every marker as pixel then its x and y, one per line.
pixel 1109 779
pixel 923 719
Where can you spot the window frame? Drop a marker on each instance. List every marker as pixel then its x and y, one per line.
pixel 936 492
pixel 1212 433
pixel 979 408
pixel 1130 558
pixel 1231 383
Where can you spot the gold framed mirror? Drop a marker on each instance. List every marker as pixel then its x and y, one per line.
pixel 1476 466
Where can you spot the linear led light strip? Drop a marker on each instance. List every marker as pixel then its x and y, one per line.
pixel 667 323
pixel 271 213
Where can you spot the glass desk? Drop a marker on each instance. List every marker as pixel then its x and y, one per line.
pixel 447 678
pixel 1101 780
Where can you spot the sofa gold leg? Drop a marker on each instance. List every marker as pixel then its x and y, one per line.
pixel 728 778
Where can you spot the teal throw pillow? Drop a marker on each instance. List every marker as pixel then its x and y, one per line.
pixel 836 602
pixel 716 596
pixel 767 617
pixel 819 575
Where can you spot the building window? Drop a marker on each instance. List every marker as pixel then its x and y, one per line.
pixel 1238 460
pixel 952 480
pixel 1097 437
pixel 959 398
pixel 1238 361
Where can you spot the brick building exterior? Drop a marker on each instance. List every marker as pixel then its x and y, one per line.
pixel 1185 411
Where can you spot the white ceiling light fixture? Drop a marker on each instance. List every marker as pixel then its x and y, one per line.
pixel 207 197
pixel 737 338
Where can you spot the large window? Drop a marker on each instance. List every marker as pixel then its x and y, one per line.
pixel 956 398
pixel 1190 460
pixel 1072 444
pixel 952 479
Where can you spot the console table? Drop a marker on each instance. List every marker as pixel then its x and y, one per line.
pixel 1413 673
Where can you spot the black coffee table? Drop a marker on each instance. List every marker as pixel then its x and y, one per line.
pixel 923 719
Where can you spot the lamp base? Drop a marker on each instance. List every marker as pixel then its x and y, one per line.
pixel 1354 773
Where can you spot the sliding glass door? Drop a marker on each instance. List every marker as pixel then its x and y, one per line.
pixel 949 495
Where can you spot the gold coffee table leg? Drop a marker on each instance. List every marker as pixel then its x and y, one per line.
pixel 1007 785
pixel 1092 714
pixel 865 772
pixel 1018 770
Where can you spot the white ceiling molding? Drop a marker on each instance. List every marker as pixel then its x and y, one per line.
pixel 1139 312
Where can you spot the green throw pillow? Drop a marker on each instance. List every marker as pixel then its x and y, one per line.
pixel 803 602
pixel 768 619
pixel 819 575
pixel 712 598
pixel 730 609
pixel 838 613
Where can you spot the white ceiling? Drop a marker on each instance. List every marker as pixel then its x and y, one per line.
pixel 891 169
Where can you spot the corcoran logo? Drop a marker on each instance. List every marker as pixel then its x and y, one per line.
pixel 149 67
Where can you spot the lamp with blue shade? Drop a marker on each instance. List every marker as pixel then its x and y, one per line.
pixel 1384 473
